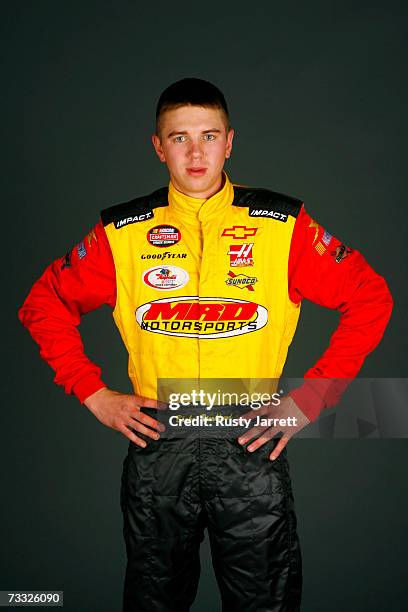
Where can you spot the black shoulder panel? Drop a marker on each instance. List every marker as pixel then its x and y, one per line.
pixel 266 203
pixel 139 209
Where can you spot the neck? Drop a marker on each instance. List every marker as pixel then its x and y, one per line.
pixel 204 195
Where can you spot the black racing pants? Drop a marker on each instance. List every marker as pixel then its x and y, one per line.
pixel 175 488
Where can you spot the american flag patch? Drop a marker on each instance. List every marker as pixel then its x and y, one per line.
pixel 326 237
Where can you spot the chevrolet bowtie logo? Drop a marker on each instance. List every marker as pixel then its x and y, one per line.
pixel 239 232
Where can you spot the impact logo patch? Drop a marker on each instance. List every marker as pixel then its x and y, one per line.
pixel 163 236
pixel 165 278
pixel 204 318
pixel 241 255
pixel 134 219
pixel 274 214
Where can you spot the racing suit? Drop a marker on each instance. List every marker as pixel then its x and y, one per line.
pixel 202 289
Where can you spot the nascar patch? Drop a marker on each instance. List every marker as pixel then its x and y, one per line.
pixel 163 236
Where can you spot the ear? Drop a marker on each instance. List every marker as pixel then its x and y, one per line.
pixel 158 147
pixel 228 148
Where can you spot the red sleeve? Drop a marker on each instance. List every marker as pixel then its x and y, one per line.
pixel 71 286
pixel 326 271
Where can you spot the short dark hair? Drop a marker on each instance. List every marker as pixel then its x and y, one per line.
pixel 194 92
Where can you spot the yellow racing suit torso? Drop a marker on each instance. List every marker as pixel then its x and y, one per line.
pixel 202 285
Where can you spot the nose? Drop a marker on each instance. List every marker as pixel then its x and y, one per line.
pixel 196 150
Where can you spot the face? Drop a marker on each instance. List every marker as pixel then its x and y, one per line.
pixel 194 145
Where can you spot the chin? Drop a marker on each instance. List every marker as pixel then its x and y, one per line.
pixel 203 181
pixel 198 182
pixel 195 185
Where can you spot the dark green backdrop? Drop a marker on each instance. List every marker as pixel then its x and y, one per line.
pixel 317 93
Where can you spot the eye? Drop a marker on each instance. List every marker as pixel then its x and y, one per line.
pixel 180 138
pixel 209 137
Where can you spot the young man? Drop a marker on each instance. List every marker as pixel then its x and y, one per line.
pixel 206 280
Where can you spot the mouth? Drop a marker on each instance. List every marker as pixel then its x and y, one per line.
pixel 196 171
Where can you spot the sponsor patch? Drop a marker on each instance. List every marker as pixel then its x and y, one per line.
pixel 204 318
pixel 163 235
pixel 165 255
pixel 241 255
pixel 91 236
pixel 81 250
pixel 326 238
pixel 242 281
pixel 239 232
pixel 340 253
pixel 320 248
pixel 133 219
pixel 314 226
pixel 165 278
pixel 274 214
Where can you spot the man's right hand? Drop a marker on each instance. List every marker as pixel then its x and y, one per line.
pixel 120 411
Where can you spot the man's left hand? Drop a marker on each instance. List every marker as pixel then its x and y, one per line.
pixel 286 408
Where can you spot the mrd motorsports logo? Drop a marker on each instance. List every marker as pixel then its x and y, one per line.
pixel 204 317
